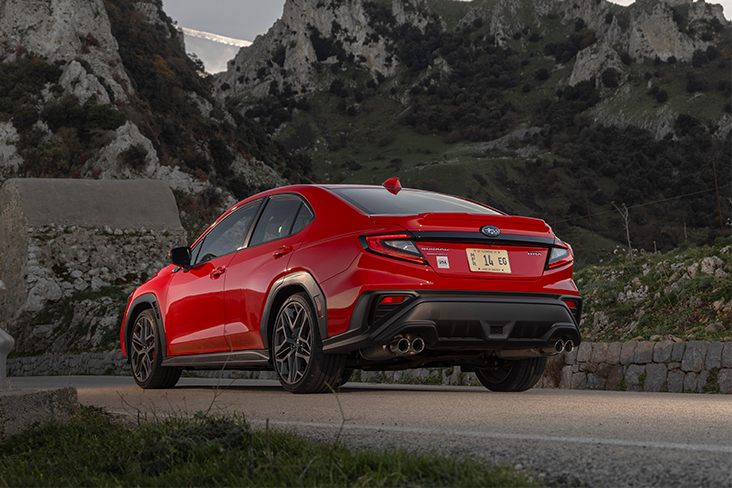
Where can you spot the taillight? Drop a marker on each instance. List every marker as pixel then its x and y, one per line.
pixel 561 254
pixel 399 246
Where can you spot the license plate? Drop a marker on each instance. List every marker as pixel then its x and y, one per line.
pixel 488 260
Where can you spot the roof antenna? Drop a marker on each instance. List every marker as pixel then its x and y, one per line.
pixel 392 185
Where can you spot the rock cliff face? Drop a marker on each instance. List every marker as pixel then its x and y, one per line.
pixel 644 29
pixel 311 32
pixel 78 35
pixel 67 30
pixel 287 53
pixel 292 53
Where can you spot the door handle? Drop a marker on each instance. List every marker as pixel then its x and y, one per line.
pixel 282 251
pixel 215 274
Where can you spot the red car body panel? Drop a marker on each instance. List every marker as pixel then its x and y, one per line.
pixel 219 305
pixel 249 278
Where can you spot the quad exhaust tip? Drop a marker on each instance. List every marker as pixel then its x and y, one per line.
pixel 417 345
pixel 408 345
pixel 562 346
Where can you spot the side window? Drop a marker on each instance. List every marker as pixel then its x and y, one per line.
pixel 277 219
pixel 228 236
pixel 304 217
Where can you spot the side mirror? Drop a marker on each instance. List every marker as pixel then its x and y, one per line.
pixel 180 256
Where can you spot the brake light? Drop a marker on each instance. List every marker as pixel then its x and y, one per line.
pixel 399 246
pixel 561 254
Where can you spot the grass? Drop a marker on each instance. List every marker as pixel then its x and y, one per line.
pixel 96 449
pixel 674 304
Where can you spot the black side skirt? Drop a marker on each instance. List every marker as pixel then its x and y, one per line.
pixel 251 359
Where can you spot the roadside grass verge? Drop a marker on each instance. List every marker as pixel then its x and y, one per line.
pixel 95 449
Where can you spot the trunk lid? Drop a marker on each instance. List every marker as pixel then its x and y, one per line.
pixel 455 246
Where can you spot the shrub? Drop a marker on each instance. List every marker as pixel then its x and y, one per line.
pixel 662 96
pixel 695 83
pixel 24 116
pixel 699 58
pixel 134 156
pixel 104 117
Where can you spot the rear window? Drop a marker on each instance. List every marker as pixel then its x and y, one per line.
pixel 379 201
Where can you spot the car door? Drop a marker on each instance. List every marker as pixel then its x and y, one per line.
pixel 195 317
pixel 280 230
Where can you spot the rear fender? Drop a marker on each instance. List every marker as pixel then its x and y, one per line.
pixel 286 286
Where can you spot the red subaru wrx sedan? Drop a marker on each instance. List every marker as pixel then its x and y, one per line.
pixel 314 281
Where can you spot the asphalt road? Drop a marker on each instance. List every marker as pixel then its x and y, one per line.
pixel 596 438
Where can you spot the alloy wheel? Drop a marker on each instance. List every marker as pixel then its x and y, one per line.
pixel 293 342
pixel 143 348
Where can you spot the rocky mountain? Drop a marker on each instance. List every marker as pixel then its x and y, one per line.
pixel 104 89
pixel 549 108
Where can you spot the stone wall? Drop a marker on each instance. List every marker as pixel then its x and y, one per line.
pixel 71 251
pixel 675 367
pixel 644 366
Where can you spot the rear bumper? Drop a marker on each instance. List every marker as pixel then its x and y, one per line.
pixel 454 321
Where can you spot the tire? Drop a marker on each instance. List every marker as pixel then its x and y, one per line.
pixel 347 373
pixel 146 356
pixel 516 375
pixel 297 352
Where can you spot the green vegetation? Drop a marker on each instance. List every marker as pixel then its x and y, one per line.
pixel 96 449
pixel 457 87
pixel 659 295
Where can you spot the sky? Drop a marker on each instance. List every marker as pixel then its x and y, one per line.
pixel 246 19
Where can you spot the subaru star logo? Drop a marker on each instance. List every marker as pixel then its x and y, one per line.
pixel 491 230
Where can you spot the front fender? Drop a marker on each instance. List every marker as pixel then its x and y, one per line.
pixel 142 302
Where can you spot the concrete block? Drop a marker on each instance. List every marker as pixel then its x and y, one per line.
pixel 20 409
